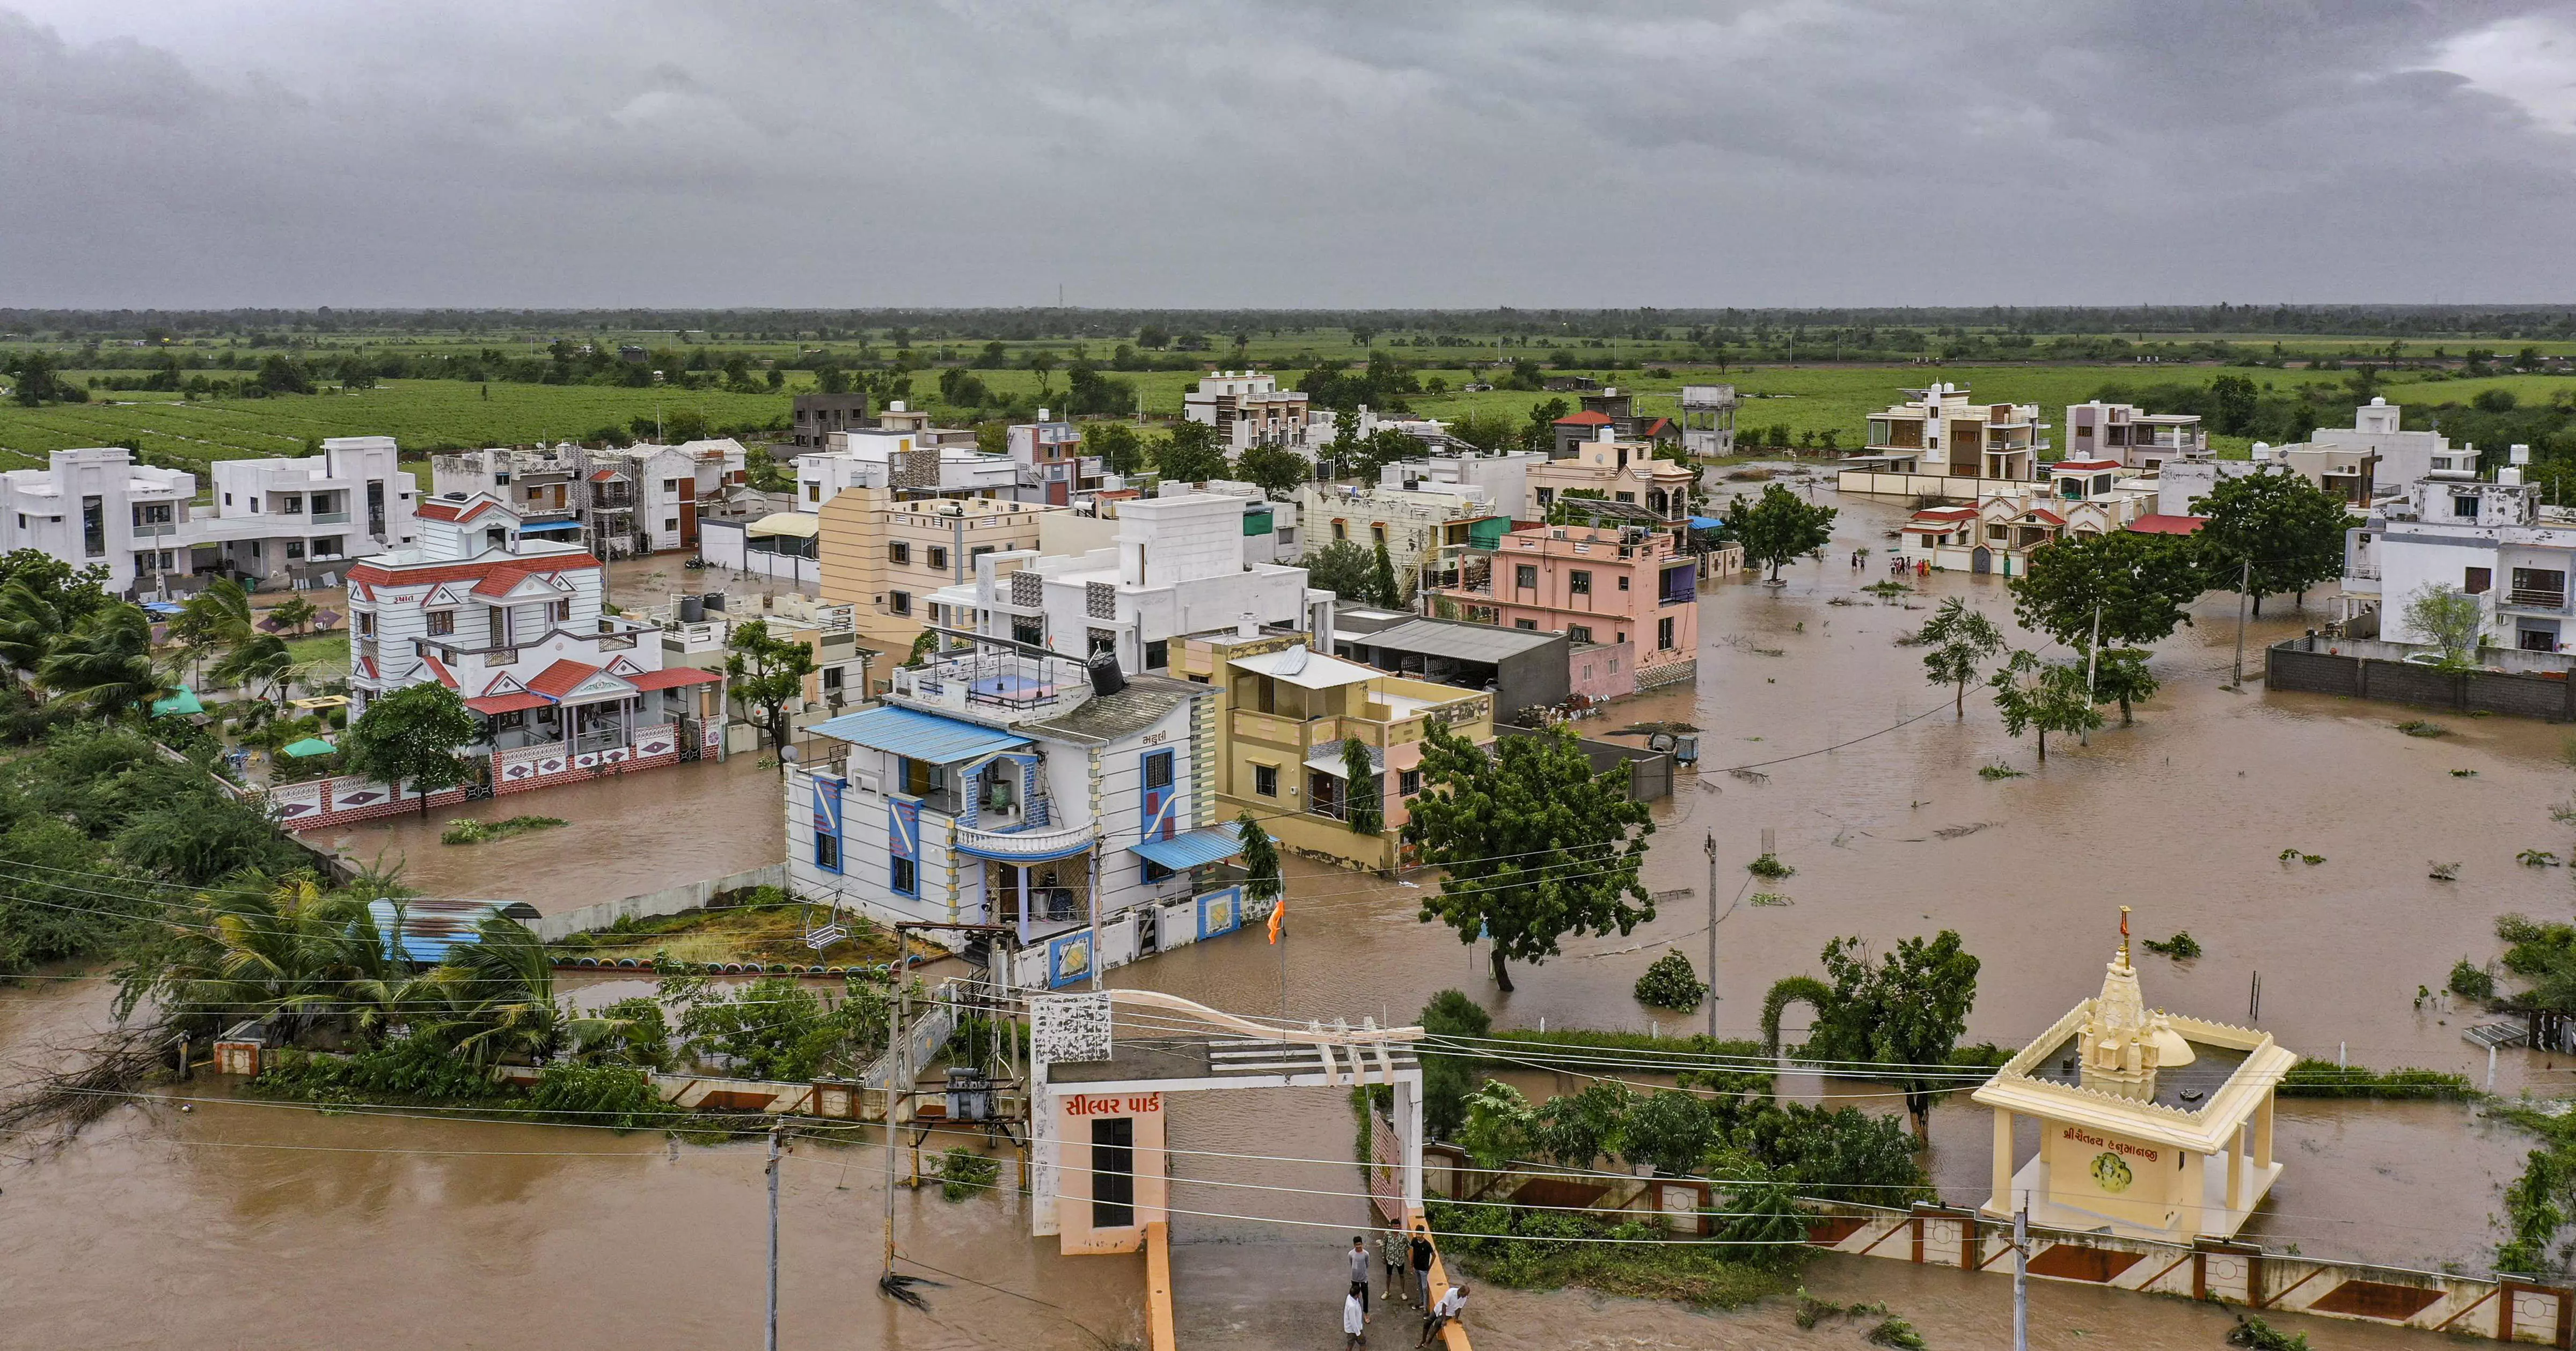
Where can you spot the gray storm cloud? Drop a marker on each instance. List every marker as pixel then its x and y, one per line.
pixel 1319 153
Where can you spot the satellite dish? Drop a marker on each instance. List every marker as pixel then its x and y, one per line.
pixel 787 755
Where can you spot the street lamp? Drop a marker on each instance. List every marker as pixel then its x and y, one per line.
pixel 1712 934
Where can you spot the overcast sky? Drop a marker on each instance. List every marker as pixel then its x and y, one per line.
pixel 1294 153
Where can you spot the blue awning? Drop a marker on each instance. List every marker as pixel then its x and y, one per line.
pixel 919 736
pixel 1192 849
pixel 1706 523
pixel 539 527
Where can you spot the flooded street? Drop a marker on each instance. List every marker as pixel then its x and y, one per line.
pixel 401 1232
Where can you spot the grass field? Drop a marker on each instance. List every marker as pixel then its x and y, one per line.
pixel 428 414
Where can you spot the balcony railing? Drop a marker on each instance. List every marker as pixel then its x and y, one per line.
pixel 2533 598
pixel 155 530
pixel 330 518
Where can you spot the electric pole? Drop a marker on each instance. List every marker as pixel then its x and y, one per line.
pixel 2244 583
pixel 1712 935
pixel 2092 659
pixel 2021 1276
pixel 777 1129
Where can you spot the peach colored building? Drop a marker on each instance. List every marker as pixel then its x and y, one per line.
pixel 1595 585
pixel 1621 471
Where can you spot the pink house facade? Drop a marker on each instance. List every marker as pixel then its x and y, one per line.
pixel 1597 585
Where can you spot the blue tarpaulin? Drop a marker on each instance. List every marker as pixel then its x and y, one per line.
pixel 1706 523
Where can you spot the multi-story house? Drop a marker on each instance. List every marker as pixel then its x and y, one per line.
pixel 1938 432
pixel 883 555
pixel 2404 458
pixel 1248 408
pixel 817 416
pixel 1620 471
pixel 700 634
pixel 1176 568
pixel 906 464
pixel 1501 479
pixel 2493 541
pixel 1413 524
pixel 541 485
pixel 1285 715
pixel 2081 498
pixel 1005 785
pixel 2129 434
pixel 266 521
pixel 1050 461
pixel 514 623
pixel 1610 415
pixel 2350 474
pixel 1630 584
pixel 620 501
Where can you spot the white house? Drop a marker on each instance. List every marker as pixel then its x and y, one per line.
pixel 2079 499
pixel 2494 541
pixel 2404 458
pixel 266 521
pixel 998 784
pixel 1500 477
pixel 1250 409
pixel 903 461
pixel 1177 567
pixel 514 623
pixel 2132 435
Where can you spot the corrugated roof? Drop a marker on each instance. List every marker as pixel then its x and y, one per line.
pixel 1193 848
pixel 430 926
pixel 1459 642
pixel 918 736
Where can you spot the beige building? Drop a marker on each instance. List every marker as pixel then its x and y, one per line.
pixel 2131 435
pixel 1939 432
pixel 1413 524
pixel 1283 714
pixel 883 556
pixel 2151 1125
pixel 1621 471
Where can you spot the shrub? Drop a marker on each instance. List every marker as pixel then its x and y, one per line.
pixel 963 1172
pixel 1671 983
pixel 2181 947
pixel 1447 1076
pixel 1769 868
pixel 619 1097
pixel 2470 981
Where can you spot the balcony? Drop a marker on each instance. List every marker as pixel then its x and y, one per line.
pixel 1024 846
pixel 156 530
pixel 330 518
pixel 983 687
pixel 505 655
pixel 2534 598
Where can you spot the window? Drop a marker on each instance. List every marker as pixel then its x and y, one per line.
pixel 1155 872
pixel 94 527
pixel 1409 782
pixel 366 624
pixel 1580 633
pixel 2464 508
pixel 898 552
pixel 1579 582
pixel 1547 497
pixel 1341 530
pixel 442 623
pixel 1158 654
pixel 1525 575
pixel 1626 497
pixel 1378 533
pixel 899 602
pixel 937 556
pixel 827 852
pixel 295 548
pixel 1158 770
pixel 977 552
pixel 1265 780
pixel 1529 625
pixel 906 877
pixel 813 492
pixel 671 485
pixel 228 499
pixel 560 612
pixel 2476 581
pixel 1664 635
pixel 832 678
pixel 293 505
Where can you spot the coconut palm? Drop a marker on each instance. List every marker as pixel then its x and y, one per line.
pixel 297 954
pixel 257 661
pixel 29 624
pixel 103 667
pixel 496 998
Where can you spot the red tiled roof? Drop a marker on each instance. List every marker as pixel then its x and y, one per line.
pixel 603 476
pixel 440 671
pixel 431 574
pixel 506 703
pixel 2155 523
pixel 2045 514
pixel 2086 464
pixel 673 677
pixel 456 511
pixel 501 581
pixel 1657 427
pixel 562 678
pixel 1586 418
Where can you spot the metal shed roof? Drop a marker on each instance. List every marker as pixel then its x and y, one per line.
pixel 1458 642
pixel 1192 848
pixel 918 736
pixel 432 926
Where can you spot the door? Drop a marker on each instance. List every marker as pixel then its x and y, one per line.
pixel 688 512
pixel 1983 560
pixel 1113 1173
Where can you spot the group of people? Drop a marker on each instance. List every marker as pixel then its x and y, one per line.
pixel 1404 1256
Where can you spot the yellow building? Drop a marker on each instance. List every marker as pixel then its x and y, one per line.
pixel 1284 712
pixel 2150 1125
pixel 883 556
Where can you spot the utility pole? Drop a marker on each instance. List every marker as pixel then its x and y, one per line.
pixel 777 1128
pixel 895 1084
pixel 2092 660
pixel 1711 846
pixel 2244 583
pixel 2021 1276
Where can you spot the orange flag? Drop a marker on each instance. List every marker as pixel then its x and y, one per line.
pixel 1278 912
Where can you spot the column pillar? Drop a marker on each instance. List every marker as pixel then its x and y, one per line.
pixel 2004 1199
pixel 2236 1170
pixel 1408 1126
pixel 2263 1134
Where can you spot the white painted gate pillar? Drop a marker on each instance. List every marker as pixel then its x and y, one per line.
pixel 1408 1134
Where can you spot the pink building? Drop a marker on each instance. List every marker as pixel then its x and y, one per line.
pixel 1595 585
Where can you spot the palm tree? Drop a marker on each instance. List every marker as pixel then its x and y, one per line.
pixel 256 661
pixel 29 624
pixel 497 999
pixel 103 667
pixel 294 953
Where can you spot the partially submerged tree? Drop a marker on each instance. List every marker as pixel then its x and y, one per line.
pixel 1261 878
pixel 1449 1071
pixel 2451 618
pixel 1903 1014
pixel 1778 527
pixel 2139 587
pixel 1962 640
pixel 1534 845
pixel 2270 532
pixel 2043 696
pixel 2120 676
pixel 766 673
pixel 412 736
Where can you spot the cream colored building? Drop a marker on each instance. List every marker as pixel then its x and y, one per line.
pixel 1621 471
pixel 1939 432
pixel 2151 1125
pixel 883 556
pixel 1283 714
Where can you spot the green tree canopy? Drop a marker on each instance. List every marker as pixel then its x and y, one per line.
pixel 1191 453
pixel 1778 527
pixel 1261 876
pixel 2272 532
pixel 1903 1013
pixel 2120 676
pixel 1116 445
pixel 2141 586
pixel 1276 470
pixel 2043 696
pixel 1961 642
pixel 1384 590
pixel 1365 796
pixel 766 673
pixel 412 736
pixel 1341 567
pixel 1448 1074
pixel 1533 844
pixel 103 667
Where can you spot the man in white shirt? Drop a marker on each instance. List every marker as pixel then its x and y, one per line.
pixel 1354 1324
pixel 1443 1313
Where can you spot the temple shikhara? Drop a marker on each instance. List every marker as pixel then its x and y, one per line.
pixel 2152 1125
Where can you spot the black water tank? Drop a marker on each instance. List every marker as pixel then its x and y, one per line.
pixel 692 610
pixel 716 601
pixel 1105 675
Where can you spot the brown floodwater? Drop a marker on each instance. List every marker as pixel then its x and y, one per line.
pixel 471 1234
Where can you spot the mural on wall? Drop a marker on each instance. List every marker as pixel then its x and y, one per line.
pixel 1220 912
pixel 1066 1028
pixel 1068 959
